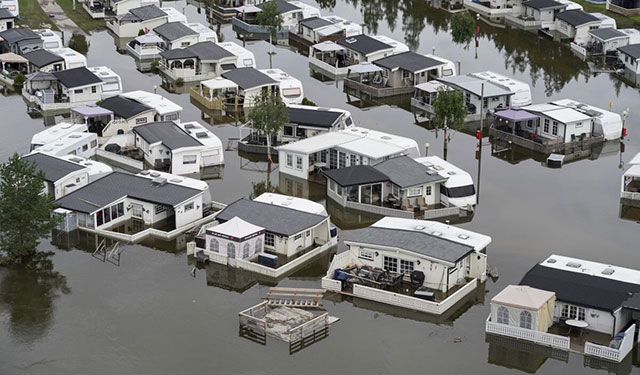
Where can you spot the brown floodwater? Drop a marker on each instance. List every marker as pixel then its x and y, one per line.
pixel 70 312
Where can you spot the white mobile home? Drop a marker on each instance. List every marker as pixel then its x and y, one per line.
pixel 521 90
pixel 343 148
pixel 63 89
pixel 630 186
pixel 81 144
pixel 212 152
pixel 42 60
pixel 112 83
pixel 146 48
pixel 50 38
pixel 205 33
pixel 72 58
pixel 176 35
pixel 575 25
pixel 201 61
pixel 607 39
pixel 483 97
pixel 245 59
pixel 7 19
pixel 122 7
pixel 145 18
pixel 249 83
pixel 127 114
pixel 55 132
pixel 605 123
pixel 289 229
pixel 564 124
pixel 458 190
pixel 174 15
pixel 166 110
pixel 630 56
pixel 436 258
pixel 60 176
pixel 290 88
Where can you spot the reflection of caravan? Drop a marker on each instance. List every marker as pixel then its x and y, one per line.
pixel 458 190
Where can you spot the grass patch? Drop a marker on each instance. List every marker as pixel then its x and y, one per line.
pixel 622 22
pixel 32 15
pixel 80 16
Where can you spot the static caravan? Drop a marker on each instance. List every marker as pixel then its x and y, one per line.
pixel 521 90
pixel 81 144
pixel 54 133
pixel 212 152
pixel 201 61
pixel 112 83
pixel 246 19
pixel 42 60
pixel 250 83
pixel 145 18
pixel 483 97
pixel 291 90
pixel 13 6
pixel 166 110
pixel 122 7
pixel 127 114
pixel 145 48
pixel 630 57
pixel 205 33
pixel 60 176
pixel 575 25
pixel 72 58
pixel 62 89
pixel 20 40
pixel 174 15
pixel 606 39
pixel 176 35
pixel 309 121
pixel 562 123
pixel 7 19
pixel 95 169
pixel 458 190
pixel 245 59
pixel 605 123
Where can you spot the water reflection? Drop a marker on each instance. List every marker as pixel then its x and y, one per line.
pixel 88 242
pixel 27 294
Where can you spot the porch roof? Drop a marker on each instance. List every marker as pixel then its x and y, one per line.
pixel 11 57
pixel 432 86
pixel 355 175
pixel 523 296
pixel 91 111
pixel 409 61
pixel 328 46
pixel 365 67
pixel 634 171
pixel 406 172
pixel 219 83
pixel 516 115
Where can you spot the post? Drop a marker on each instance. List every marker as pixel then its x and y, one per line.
pixel 74 4
pixel 477 31
pixel 426 149
pixel 444 152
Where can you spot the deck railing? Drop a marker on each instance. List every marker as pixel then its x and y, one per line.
pixel 543 338
pixel 630 195
pixel 616 355
pixel 308 328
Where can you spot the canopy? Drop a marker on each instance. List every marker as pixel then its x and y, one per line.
pixel 236 228
pixel 517 301
pixel 634 171
pixel 516 115
pixel 635 159
pixel 523 296
pixel 91 111
pixel 328 47
pixel 248 9
pixel 431 86
pixel 365 67
pixel 149 38
pixel 11 57
pixel 219 83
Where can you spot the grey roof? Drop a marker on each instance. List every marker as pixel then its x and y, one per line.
pixel 363 44
pixel 355 175
pixel 607 33
pixel 41 76
pixel 116 185
pixel 474 86
pixel 147 12
pixel 543 4
pixel 409 61
pixel 247 78
pixel 316 117
pixel 174 30
pixel 283 6
pixel 209 51
pixel 315 22
pixel 576 17
pixel 413 241
pixel 18 34
pixel 632 50
pixel 124 107
pixel 275 219
pixel 5 14
pixel 167 132
pixel 405 172
pixel 54 168
pixel 178 53
pixel 42 57
pixel 77 77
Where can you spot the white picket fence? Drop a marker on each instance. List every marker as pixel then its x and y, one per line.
pixel 616 355
pixel 543 338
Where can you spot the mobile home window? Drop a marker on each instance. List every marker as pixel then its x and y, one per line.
pixel 85 147
pixel 406 266
pixel 428 190
pixel 546 126
pixel 159 209
pixel 573 312
pixel 352 160
pixel 141 120
pixel 78 91
pixel 390 264
pixel 189 159
pixel 269 239
pixel 554 129
pixel 289 160
pixel 94 143
pixel 297 236
pixel 291 92
pixel 415 191
pixel 94 89
pixel 365 254
pixel 106 213
pixel 342 160
pixel 299 163
pixel 396 191
pixel 188 207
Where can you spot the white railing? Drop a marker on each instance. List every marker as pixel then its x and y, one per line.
pixel 121 160
pixel 548 339
pixel 630 195
pixel 331 284
pixel 616 355
pixel 442 212
pixel 578 49
pixel 413 303
pixel 337 71
pixel 379 210
pixel 415 102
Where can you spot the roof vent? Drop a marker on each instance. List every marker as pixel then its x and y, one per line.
pixel 189 126
pixel 608 271
pixel 286 203
pixel 436 233
pixel 75 136
pixel 386 137
pixel 438 167
pixel 65 126
pixel 159 181
pixel 202 135
pixel 351 40
pixel 144 173
pixel 419 227
pixel 463 236
pixel 154 174
pixel 77 160
pixel 574 265
pixel 175 180
pixel 551 260
pixel 451 173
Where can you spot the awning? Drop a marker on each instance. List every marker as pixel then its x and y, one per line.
pixel 219 83
pixel 432 86
pixel 91 111
pixel 148 38
pixel 248 9
pixel 365 68
pixel 329 30
pixel 11 57
pixel 634 171
pixel 328 47
pixel 516 115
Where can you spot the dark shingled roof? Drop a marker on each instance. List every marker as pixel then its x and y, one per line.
pixel 42 57
pixel 5 14
pixel 54 168
pixel 315 22
pixel 607 33
pixel 409 61
pixel 632 50
pixel 18 34
pixel 209 51
pixel 76 77
pixel 363 44
pixel 167 132
pixel 116 185
pixel 576 17
pixel 283 6
pixel 405 172
pixel 178 53
pixel 174 30
pixel 247 78
pixel 355 175
pixel 124 107
pixel 413 241
pixel 316 117
pixel 543 4
pixel 580 289
pixel 147 12
pixel 274 219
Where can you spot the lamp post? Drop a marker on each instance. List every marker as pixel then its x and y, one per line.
pixel 625 113
pixel 477 31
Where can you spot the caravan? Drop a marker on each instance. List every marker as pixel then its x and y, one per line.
pixel 458 190
pixel 53 133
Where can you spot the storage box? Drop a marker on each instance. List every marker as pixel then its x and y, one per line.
pixel 268 260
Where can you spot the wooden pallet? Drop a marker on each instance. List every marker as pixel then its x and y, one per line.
pixel 295 297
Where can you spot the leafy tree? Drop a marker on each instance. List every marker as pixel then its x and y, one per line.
pixel 268 116
pixel 450 110
pixel 79 43
pixel 462 31
pixel 141 32
pixel 18 80
pixel 306 101
pixel 25 211
pixel 271 18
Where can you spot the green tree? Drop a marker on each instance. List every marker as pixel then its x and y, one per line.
pixel 141 32
pixel 79 43
pixel 462 31
pixel 449 110
pixel 268 116
pixel 25 211
pixel 271 18
pixel 18 80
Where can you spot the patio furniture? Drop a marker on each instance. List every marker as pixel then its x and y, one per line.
pixel 406 205
pixel 422 204
pixel 574 323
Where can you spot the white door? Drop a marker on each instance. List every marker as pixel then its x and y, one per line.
pixel 137 211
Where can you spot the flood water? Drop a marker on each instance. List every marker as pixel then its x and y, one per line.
pixel 73 313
